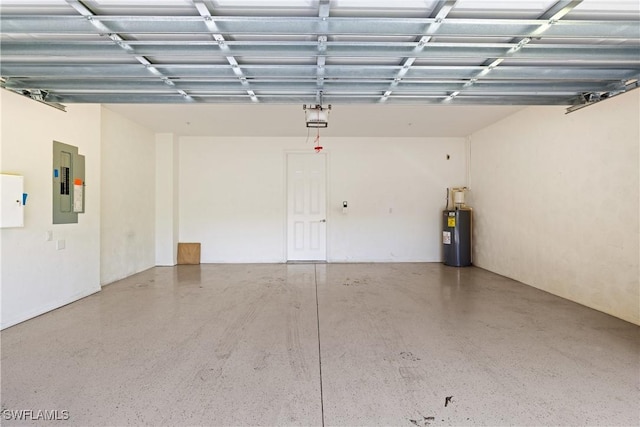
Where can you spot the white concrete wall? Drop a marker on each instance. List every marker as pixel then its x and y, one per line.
pixel 128 198
pixel 167 197
pixel 232 196
pixel 36 277
pixel 556 203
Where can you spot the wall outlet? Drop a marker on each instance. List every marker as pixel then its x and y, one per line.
pixel 60 244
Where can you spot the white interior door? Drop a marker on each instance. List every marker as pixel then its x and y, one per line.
pixel 306 207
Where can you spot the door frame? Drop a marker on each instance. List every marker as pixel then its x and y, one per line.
pixel 285 201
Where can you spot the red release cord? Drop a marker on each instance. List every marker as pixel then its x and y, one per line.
pixel 317 147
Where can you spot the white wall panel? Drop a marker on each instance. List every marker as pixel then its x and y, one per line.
pixel 556 202
pixel 232 196
pixel 128 198
pixel 167 197
pixel 35 276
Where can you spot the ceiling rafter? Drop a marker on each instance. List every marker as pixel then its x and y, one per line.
pixel 203 10
pixel 440 11
pixel 286 25
pixel 552 15
pixel 321 60
pixel 333 72
pixel 120 42
pixel 584 53
pixel 197 87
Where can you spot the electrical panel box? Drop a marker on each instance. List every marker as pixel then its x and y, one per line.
pixel 68 183
pixel 12 201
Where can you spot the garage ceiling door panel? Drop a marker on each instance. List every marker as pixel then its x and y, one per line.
pixel 317 51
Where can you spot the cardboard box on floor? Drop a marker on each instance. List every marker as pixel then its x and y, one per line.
pixel 188 253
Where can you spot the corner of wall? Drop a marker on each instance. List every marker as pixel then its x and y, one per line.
pixel 167 194
pixel 128 197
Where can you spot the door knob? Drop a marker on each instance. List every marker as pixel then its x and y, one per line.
pixel 323 220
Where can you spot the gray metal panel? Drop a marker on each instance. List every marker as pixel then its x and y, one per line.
pixel 45 51
pixel 64 157
pixel 267 25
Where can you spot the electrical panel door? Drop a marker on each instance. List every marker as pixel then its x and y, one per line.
pixel 68 183
pixel 78 184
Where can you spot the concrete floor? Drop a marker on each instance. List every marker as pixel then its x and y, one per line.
pixel 333 344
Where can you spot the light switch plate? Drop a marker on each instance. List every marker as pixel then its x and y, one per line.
pixel 60 244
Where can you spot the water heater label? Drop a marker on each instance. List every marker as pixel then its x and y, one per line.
pixel 451 221
pixel 446 237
